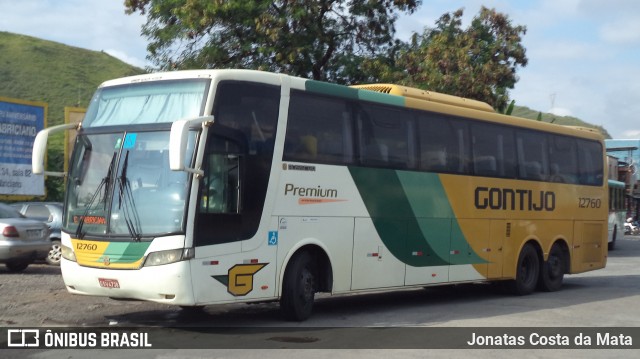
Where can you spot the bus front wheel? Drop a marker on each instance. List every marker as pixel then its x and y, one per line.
pixel 299 287
pixel 553 269
pixel 527 271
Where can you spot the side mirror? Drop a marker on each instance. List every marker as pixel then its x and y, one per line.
pixel 40 148
pixel 179 138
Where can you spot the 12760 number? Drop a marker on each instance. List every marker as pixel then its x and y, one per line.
pixel 86 247
pixel 586 202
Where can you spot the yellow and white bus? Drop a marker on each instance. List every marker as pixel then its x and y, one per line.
pixel 219 186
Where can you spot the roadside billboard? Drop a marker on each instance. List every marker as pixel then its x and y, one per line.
pixel 20 121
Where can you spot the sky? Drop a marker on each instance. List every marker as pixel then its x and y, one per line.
pixel 584 55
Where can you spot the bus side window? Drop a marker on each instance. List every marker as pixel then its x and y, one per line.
pixel 532 155
pixel 493 150
pixel 252 109
pixel 386 136
pixel 442 144
pixel 563 158
pixel 590 162
pixel 319 129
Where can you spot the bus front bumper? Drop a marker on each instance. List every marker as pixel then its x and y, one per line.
pixel 168 284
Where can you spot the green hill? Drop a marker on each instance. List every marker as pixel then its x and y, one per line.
pixel 62 76
pixel 526 112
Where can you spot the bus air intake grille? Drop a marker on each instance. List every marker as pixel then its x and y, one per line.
pixel 376 88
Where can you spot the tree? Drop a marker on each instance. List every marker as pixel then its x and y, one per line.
pixel 319 39
pixel 479 62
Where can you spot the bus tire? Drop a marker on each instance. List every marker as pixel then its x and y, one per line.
pixel 527 271
pixel 553 269
pixel 299 287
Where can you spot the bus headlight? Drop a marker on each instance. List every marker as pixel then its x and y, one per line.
pixel 169 256
pixel 68 253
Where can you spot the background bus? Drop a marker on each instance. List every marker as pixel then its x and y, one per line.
pixel 617 212
pixel 202 187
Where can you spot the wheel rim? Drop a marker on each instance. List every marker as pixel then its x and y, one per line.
pixel 55 253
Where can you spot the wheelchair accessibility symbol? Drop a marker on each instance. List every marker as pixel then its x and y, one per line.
pixel 273 238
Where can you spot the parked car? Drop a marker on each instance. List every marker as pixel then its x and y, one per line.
pixel 22 240
pixel 51 214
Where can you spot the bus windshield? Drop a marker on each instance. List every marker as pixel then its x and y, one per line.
pixel 120 180
pixel 145 103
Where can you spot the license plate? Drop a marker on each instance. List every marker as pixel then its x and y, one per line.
pixel 108 283
pixel 33 233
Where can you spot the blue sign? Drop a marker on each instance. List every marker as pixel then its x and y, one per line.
pixel 20 121
pixel 273 238
pixel 19 125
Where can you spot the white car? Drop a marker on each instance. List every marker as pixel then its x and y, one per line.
pixel 22 240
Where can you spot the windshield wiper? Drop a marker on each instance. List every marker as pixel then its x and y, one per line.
pixel 105 184
pixel 126 203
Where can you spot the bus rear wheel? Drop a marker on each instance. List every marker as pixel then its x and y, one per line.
pixel 299 287
pixel 527 272
pixel 552 272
